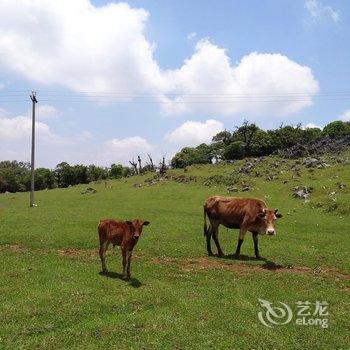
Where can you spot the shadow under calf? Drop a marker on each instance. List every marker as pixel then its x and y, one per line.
pixel 134 282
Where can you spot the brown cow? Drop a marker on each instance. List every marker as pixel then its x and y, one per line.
pixel 245 214
pixel 122 233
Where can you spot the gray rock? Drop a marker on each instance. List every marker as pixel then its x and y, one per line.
pixel 89 190
pixel 301 192
pixel 232 189
pixel 311 162
pixel 316 147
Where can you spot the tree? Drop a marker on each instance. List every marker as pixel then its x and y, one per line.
pixel 234 150
pixel 13 176
pixel 337 128
pixel 246 133
pixel 80 174
pixel 64 174
pixel 44 178
pixel 286 136
pixel 310 134
pixel 223 137
pixel 116 171
pixel 96 173
pixel 202 154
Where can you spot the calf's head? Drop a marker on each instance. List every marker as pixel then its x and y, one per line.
pixel 267 220
pixel 136 227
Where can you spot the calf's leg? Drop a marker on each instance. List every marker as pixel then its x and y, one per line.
pixel 102 252
pixel 126 253
pixel 128 262
pixel 124 250
pixel 256 248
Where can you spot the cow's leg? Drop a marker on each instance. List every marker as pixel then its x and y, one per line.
pixel 102 252
pixel 216 240
pixel 241 236
pixel 208 237
pixel 256 248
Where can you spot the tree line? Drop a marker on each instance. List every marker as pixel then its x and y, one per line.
pixel 248 140
pixel 15 176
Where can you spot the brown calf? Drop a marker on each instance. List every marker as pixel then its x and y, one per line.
pixel 245 214
pixel 122 233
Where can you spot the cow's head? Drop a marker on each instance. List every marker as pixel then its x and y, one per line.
pixel 136 227
pixel 267 219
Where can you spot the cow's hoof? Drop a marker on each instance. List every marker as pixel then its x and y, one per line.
pixel 258 257
pixel 220 254
pixel 104 272
pixel 126 277
pixel 210 254
pixel 237 256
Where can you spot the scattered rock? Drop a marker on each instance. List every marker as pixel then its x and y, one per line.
pixel 341 186
pixel 89 190
pixel 301 192
pixel 137 185
pixel 316 147
pixel 272 177
pixel 232 189
pixel 311 162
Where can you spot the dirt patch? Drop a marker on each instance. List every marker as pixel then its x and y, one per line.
pixel 192 264
pixel 188 265
pixel 78 253
pixel 12 247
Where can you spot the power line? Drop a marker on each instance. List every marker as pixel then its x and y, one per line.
pixel 182 97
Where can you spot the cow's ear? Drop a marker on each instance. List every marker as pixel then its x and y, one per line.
pixel 146 223
pixel 278 215
pixel 128 222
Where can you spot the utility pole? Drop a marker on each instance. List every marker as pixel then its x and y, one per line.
pixel 34 101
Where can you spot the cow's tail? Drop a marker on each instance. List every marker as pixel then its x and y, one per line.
pixel 205 222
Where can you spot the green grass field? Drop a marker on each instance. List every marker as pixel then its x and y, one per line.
pixel 53 297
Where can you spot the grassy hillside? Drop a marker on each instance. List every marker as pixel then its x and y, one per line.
pixel 52 295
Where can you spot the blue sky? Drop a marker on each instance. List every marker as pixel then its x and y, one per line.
pixel 172 51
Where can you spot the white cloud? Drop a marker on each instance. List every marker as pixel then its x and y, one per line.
pixel 123 150
pixel 86 48
pixel 51 148
pixel 191 35
pixel 192 133
pixel 345 117
pixel 15 140
pixel 312 125
pixel 45 112
pixel 259 84
pixel 318 11
pixel 20 127
pixel 78 45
